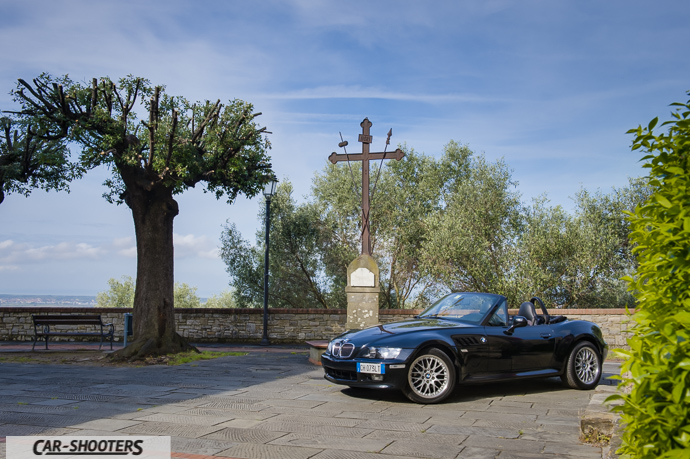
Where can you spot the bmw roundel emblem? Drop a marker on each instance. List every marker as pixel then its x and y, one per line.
pixel 482 339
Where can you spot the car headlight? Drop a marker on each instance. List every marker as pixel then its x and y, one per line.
pixel 380 352
pixel 330 347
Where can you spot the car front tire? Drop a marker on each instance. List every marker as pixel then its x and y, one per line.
pixel 430 377
pixel 583 369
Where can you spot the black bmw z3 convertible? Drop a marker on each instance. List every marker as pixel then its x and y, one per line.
pixel 467 338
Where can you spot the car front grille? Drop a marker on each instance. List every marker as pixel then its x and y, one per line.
pixel 341 374
pixel 342 349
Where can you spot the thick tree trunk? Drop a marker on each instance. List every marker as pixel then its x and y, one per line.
pixel 154 321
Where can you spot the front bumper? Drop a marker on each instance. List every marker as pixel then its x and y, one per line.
pixel 345 372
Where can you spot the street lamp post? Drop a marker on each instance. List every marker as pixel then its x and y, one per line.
pixel 269 191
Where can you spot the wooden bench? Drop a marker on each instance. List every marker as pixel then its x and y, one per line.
pixel 42 328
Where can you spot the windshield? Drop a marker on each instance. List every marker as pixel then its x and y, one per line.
pixel 468 307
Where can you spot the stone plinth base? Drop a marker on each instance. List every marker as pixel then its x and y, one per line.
pixel 362 307
pixel 316 350
pixel 362 293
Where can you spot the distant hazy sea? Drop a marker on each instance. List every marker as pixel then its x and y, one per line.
pixel 77 301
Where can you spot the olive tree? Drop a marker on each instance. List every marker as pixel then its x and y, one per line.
pixel 299 249
pixel 28 161
pixel 177 145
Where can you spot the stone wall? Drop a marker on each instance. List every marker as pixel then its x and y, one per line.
pixel 284 325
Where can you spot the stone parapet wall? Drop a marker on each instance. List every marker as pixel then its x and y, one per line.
pixel 284 325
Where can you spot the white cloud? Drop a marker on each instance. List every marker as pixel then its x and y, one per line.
pixel 128 253
pixel 362 92
pixel 125 247
pixel 9 268
pixel 191 246
pixel 22 253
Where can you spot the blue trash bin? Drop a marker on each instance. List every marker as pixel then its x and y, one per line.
pixel 128 326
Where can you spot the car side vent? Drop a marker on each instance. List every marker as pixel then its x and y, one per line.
pixel 466 341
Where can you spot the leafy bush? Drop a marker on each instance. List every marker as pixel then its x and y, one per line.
pixel 224 300
pixel 121 295
pixel 657 409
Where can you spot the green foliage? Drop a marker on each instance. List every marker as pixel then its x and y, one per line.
pixel 193 356
pixel 578 259
pixel 180 145
pixel 28 161
pixel 456 222
pixel 298 259
pixel 410 192
pixel 657 408
pixel 470 244
pixel 185 296
pixel 121 295
pixel 224 300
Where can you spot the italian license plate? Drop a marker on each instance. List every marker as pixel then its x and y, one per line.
pixel 373 368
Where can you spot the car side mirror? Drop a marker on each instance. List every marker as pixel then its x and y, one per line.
pixel 518 322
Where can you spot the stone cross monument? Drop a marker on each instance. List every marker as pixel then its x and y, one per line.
pixel 363 273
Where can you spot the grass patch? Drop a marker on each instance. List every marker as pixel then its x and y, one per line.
pixel 191 356
pixel 19 359
pixel 596 439
pixel 100 359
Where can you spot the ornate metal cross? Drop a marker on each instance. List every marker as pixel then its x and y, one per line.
pixel 365 157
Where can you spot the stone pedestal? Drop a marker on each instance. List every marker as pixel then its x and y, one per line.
pixel 362 293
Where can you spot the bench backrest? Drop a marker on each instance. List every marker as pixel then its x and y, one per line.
pixel 68 320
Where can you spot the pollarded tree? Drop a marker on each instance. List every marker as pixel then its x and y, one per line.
pixel 177 146
pixel 28 161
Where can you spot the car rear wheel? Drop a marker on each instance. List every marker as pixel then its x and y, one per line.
pixel 583 369
pixel 430 377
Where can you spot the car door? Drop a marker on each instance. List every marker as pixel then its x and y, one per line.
pixel 500 350
pixel 533 348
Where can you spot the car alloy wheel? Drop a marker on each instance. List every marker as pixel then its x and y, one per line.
pixel 430 378
pixel 583 369
pixel 586 367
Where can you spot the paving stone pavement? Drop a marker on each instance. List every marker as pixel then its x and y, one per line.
pixel 272 403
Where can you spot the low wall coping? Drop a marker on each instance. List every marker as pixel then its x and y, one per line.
pixel 387 312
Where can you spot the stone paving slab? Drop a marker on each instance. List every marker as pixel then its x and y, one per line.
pixel 199 446
pixel 340 443
pixel 423 450
pixel 236 435
pixel 340 454
pixel 185 419
pixel 312 429
pixel 418 437
pixel 274 404
pixel 108 425
pixel 169 428
pixel 252 451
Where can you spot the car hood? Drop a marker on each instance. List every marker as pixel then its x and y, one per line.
pixel 399 328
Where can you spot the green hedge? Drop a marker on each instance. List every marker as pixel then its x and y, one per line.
pixel 656 412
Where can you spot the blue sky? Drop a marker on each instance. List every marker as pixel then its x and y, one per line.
pixel 550 86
